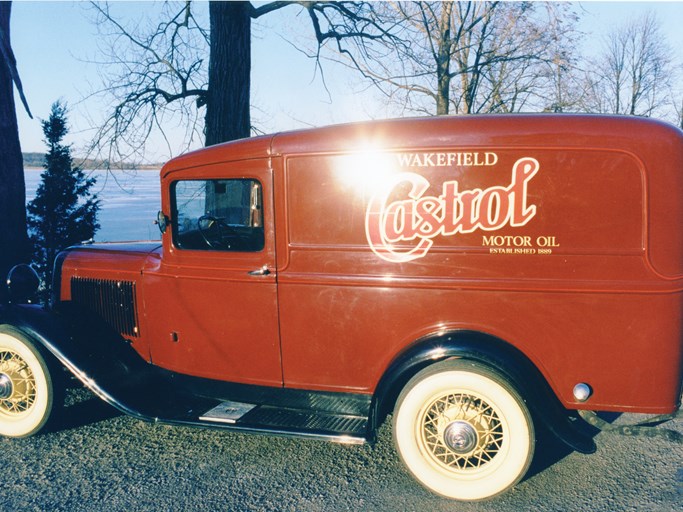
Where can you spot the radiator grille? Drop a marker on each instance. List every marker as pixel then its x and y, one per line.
pixel 114 301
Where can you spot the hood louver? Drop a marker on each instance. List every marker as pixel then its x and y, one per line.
pixel 114 301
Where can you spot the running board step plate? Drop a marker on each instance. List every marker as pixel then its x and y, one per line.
pixel 227 412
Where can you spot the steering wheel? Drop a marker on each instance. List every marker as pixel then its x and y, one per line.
pixel 215 231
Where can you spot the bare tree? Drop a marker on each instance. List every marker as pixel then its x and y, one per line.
pixel 560 87
pixel 152 74
pixel 466 57
pixel 632 74
pixel 675 94
pixel 678 108
pixel 178 72
pixel 13 238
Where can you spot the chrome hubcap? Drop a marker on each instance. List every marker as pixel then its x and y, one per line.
pixel 461 437
pixel 6 388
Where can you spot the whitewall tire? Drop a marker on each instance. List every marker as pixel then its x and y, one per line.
pixel 26 386
pixel 463 431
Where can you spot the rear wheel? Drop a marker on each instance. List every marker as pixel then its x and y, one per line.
pixel 463 431
pixel 26 386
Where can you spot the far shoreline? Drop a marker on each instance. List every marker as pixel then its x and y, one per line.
pixel 142 169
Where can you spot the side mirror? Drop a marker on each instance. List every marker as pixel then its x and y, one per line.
pixel 162 221
pixel 22 283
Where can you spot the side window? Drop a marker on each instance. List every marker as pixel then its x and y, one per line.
pixel 218 215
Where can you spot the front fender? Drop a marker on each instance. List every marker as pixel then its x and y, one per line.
pixel 99 357
pixel 33 320
pixel 494 353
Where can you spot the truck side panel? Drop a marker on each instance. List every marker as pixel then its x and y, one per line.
pixel 544 247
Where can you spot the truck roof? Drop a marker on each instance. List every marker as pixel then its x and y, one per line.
pixel 506 130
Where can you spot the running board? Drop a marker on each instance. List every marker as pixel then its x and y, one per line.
pixel 164 397
pixel 160 396
pixel 307 423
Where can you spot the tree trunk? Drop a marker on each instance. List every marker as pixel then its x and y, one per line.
pixel 227 108
pixel 443 62
pixel 13 239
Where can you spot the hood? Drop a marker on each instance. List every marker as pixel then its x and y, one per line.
pixel 109 261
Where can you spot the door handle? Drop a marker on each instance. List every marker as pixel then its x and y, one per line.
pixel 263 271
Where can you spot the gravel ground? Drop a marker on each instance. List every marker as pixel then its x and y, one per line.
pixel 99 460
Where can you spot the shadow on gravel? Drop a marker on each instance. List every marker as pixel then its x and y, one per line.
pixel 550 450
pixel 81 408
pixel 85 413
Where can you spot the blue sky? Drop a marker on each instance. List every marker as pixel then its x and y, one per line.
pixel 54 42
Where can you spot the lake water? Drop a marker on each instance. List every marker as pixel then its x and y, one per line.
pixel 129 202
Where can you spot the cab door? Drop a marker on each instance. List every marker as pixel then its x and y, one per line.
pixel 212 301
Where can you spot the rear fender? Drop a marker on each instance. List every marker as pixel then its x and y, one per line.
pixel 494 353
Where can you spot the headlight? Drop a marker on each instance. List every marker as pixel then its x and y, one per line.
pixel 22 283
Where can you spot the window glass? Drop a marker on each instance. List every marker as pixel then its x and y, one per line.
pixel 218 215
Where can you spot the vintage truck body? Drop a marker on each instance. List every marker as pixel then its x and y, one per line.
pixel 474 275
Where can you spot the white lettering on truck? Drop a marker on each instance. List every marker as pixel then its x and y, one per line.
pixel 421 218
pixel 467 159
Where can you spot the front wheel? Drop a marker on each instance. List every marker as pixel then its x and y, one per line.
pixel 26 386
pixel 463 431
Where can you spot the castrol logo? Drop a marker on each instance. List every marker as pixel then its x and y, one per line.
pixel 403 230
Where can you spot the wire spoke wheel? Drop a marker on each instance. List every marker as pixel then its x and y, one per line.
pixel 463 431
pixel 26 389
pixel 18 379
